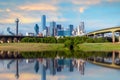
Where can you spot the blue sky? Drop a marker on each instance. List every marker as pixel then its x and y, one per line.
pixel 97 14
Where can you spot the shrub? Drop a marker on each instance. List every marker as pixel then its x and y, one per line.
pixel 69 44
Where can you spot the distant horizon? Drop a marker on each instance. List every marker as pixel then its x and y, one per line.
pixel 96 14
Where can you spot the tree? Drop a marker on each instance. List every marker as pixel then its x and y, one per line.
pixel 69 44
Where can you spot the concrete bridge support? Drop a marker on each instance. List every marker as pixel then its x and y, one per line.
pixel 102 35
pixel 9 39
pixel 94 36
pixel 119 36
pixel 113 36
pixel 119 55
pixel 113 58
pixel 94 60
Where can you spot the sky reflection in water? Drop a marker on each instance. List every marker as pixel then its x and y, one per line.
pixel 55 69
pixel 57 66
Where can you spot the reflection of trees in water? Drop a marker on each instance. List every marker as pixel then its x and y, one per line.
pixel 100 56
pixel 10 54
pixel 106 58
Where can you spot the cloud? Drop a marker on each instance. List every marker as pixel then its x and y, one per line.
pixel 57 19
pixel 28 17
pixel 10 18
pixel 8 10
pixel 26 76
pixel 82 9
pixel 7 21
pixel 113 0
pixel 38 7
pixel 86 2
pixel 23 76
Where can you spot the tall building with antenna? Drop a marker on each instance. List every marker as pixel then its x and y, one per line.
pixel 17 21
pixel 43 22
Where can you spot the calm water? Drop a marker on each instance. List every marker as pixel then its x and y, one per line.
pixel 58 67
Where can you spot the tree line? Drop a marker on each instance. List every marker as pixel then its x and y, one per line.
pixel 76 40
pixel 69 42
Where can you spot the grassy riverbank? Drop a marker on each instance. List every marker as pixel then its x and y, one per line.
pixel 30 46
pixel 100 46
pixel 48 46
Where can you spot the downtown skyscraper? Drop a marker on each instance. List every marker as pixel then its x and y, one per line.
pixel 53 30
pixel 43 22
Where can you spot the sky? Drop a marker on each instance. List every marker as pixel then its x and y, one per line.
pixel 26 72
pixel 96 14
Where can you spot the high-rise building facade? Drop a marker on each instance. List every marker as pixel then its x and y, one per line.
pixel 17 21
pixel 64 32
pixel 67 32
pixel 43 22
pixel 53 30
pixel 47 31
pixel 82 26
pixel 71 29
pixel 60 32
pixel 59 27
pixel 36 28
pixel 80 29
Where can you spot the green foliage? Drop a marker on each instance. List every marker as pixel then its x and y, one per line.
pixel 75 40
pixel 90 40
pixel 69 44
pixel 61 40
pixel 49 40
pixel 63 54
pixel 26 39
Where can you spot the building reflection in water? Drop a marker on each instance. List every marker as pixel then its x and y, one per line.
pixel 57 65
pixel 36 67
pixel 41 65
pixel 17 69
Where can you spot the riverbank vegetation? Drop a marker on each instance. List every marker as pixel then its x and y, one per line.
pixel 30 46
pixel 69 42
pixel 76 39
pixel 63 43
pixel 59 47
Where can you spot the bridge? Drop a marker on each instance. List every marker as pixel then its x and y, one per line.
pixel 13 38
pixel 115 63
pixel 112 30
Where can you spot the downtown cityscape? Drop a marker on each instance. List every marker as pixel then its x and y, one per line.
pixel 59 39
pixel 55 29
pixel 93 15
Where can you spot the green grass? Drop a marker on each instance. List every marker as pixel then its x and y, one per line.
pixel 30 46
pixel 99 47
pixel 48 46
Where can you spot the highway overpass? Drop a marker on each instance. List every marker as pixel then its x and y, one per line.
pixel 112 30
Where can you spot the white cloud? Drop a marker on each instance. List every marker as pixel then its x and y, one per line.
pixel 8 10
pixel 86 2
pixel 26 76
pixel 32 17
pixel 113 0
pixel 57 19
pixel 38 7
pixel 82 9
pixel 23 19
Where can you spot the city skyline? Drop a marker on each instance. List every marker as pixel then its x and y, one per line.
pixel 96 14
